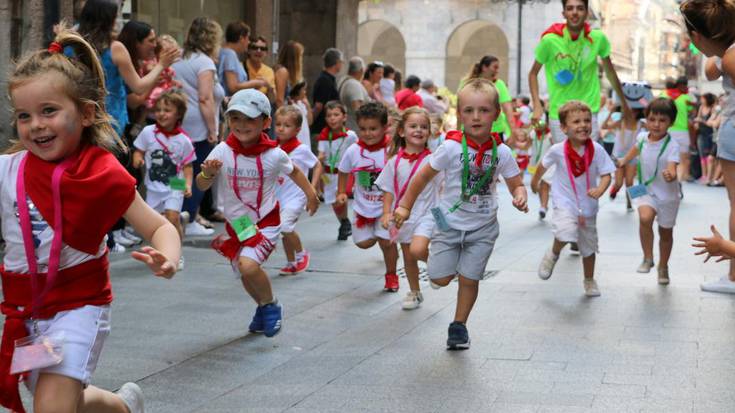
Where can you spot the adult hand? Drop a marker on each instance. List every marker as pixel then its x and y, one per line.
pixel 168 56
pixel 712 246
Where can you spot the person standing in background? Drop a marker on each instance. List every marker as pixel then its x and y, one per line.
pixel 231 72
pixel 256 69
pixel 325 88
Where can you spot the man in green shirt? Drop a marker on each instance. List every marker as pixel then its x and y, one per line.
pixel 678 91
pixel 569 52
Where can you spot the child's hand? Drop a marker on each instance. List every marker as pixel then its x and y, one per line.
pixel 595 193
pixel 712 246
pixel 520 202
pixel 341 199
pixel 211 167
pixel 187 192
pixel 619 163
pixel 401 215
pixel 668 176
pixel 385 220
pixel 157 262
pixel 312 204
pixel 168 56
pixel 138 162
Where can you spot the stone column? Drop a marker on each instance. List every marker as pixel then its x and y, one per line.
pixel 347 23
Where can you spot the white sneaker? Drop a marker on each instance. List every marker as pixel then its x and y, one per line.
pixel 132 396
pixel 118 236
pixel 184 217
pixel 723 285
pixel 197 229
pixel 117 248
pixel 181 263
pixel 590 288
pixel 547 265
pixel 129 233
pixel 412 300
pixel 645 266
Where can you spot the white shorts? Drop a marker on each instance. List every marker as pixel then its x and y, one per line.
pixel 665 211
pixel 372 231
pixel 682 139
pixel 566 228
pixel 165 201
pixel 84 331
pixel 557 135
pixel 289 217
pixel 422 227
pixel 260 253
pixel 330 189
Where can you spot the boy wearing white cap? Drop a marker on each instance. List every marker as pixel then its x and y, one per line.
pixel 251 163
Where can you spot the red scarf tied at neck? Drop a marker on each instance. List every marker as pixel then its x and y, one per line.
pixel 169 133
pixel 374 147
pixel 324 134
pixel 413 157
pixel 256 149
pixel 558 29
pixel 94 180
pixel 579 163
pixel 290 145
pixel 674 93
pixel 456 136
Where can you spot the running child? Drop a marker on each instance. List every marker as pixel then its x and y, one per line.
pixel 626 136
pixel 580 163
pixel 291 198
pixel 61 190
pixel 364 162
pixel 168 153
pixel 251 164
pixel 521 145
pixel 437 132
pixel 466 216
pixel 334 140
pixel 657 193
pixel 409 153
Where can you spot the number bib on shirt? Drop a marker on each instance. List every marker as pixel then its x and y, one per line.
pixel 37 351
pixel 177 184
pixel 244 228
pixel 363 179
pixel 440 219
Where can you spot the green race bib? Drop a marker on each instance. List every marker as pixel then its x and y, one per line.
pixel 177 184
pixel 244 228
pixel 363 179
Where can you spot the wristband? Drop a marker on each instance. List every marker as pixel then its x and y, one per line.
pixel 205 176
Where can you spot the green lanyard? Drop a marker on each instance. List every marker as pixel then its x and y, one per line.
pixel 333 157
pixel 466 173
pixel 538 147
pixel 640 161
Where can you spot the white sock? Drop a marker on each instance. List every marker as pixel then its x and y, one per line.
pixel 292 263
pixel 300 255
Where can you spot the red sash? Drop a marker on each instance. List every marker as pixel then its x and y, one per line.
pixel 229 246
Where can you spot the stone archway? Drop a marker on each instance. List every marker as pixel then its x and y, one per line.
pixel 380 40
pixel 466 46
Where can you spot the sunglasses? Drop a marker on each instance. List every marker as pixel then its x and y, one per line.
pixel 260 48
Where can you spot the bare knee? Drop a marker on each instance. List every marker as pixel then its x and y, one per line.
pixel 366 244
pixel 444 281
pixel 666 234
pixel 465 282
pixel 56 394
pixel 247 267
pixel 646 216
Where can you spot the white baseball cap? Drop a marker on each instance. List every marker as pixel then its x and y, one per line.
pixel 250 102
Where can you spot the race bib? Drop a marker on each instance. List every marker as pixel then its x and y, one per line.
pixel 37 351
pixel 363 179
pixel 244 228
pixel 177 184
pixel 440 219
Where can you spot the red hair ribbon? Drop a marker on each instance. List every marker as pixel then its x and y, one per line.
pixel 55 47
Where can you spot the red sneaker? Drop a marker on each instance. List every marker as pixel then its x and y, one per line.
pixel 303 264
pixel 288 270
pixel 391 283
pixel 613 192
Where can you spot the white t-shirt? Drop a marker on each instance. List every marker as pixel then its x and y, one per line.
pixel 659 188
pixel 162 163
pixel 562 194
pixel 368 201
pixel 525 117
pixel 304 134
pixel 484 206
pixel 275 162
pixel 337 148
pixel 15 256
pixel 187 72
pixel 426 200
pixel 289 194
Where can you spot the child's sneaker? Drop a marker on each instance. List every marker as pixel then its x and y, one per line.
pixel 197 229
pixel 546 268
pixel 663 276
pixel 590 288
pixel 130 234
pixel 289 269
pixel 181 263
pixel 458 337
pixel 412 300
pixel 391 283
pixel 434 285
pixel 117 248
pixel 574 247
pixel 614 192
pixel 645 266
pixel 541 213
pixel 118 236
pixel 303 264
pixel 132 396
pixel 272 316
pixel 256 325
pixel 722 285
pixel 345 230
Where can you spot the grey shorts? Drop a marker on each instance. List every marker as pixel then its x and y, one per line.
pixel 462 252
pixel 726 141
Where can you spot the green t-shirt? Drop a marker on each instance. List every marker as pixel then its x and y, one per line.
pixel 683 106
pixel 572 68
pixel 501 124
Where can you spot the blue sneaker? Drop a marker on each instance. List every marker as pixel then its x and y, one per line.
pixel 459 338
pixel 256 326
pixel 272 315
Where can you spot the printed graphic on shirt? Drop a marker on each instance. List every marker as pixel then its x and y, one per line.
pixel 38 224
pixel 162 168
pixel 476 174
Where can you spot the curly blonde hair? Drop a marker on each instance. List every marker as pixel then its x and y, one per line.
pixel 205 36
pixel 84 83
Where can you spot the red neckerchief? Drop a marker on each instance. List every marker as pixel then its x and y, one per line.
pixel 375 147
pixel 256 149
pixel 456 136
pixel 173 132
pixel 290 144
pixel 558 29
pixel 674 93
pixel 413 157
pixel 324 134
pixel 84 284
pixel 579 163
pixel 96 178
